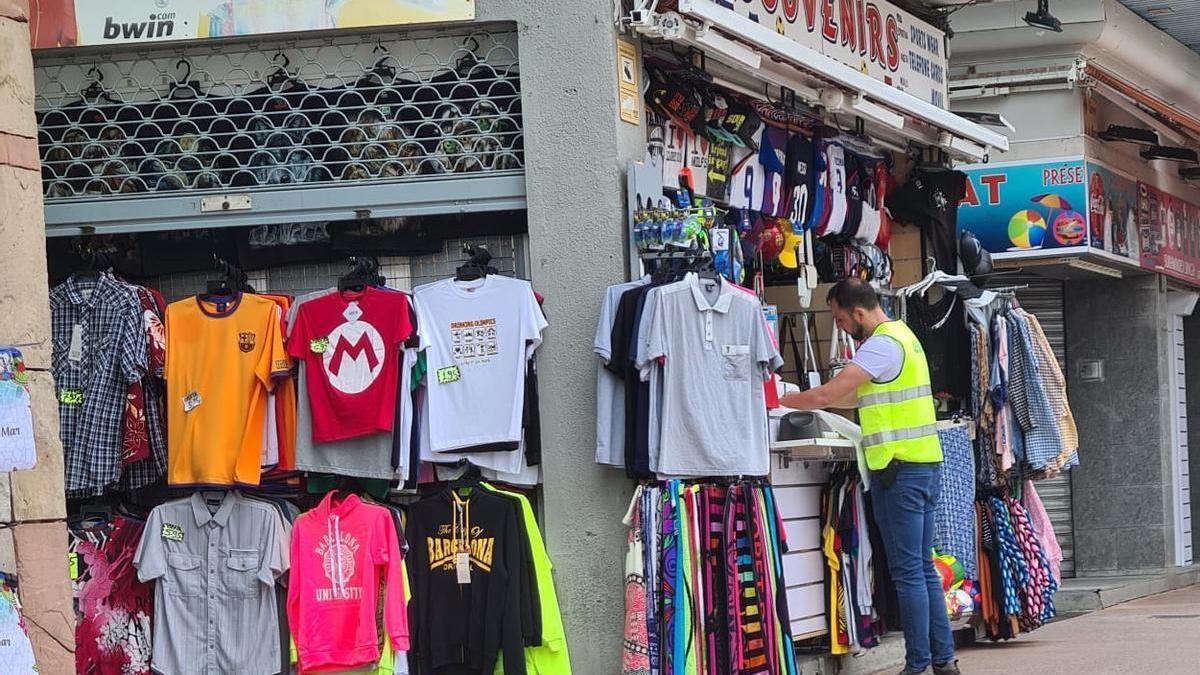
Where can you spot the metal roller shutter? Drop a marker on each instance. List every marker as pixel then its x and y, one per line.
pixel 1044 299
pixel 251 132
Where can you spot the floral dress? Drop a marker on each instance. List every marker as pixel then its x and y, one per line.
pixel 112 608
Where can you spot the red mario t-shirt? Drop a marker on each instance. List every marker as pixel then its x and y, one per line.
pixel 350 343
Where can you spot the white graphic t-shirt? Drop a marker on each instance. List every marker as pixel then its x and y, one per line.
pixel 478 337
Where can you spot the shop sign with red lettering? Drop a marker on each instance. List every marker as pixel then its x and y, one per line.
pixel 872 36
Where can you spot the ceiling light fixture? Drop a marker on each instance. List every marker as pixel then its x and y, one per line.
pixel 1170 153
pixel 1043 19
pixel 1137 135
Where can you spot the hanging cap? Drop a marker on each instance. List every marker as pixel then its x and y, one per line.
pixel 789 257
pixel 772 240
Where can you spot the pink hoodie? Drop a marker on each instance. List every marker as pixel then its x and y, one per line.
pixel 339 553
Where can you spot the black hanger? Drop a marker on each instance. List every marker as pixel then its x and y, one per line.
pixel 185 85
pixel 96 89
pixel 382 71
pixel 477 267
pixel 281 76
pixel 364 272
pixel 95 263
pixel 232 280
pixel 468 60
pixel 468 481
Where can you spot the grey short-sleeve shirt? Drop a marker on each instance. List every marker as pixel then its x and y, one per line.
pixel 215 567
pixel 368 456
pixel 717 353
pixel 610 390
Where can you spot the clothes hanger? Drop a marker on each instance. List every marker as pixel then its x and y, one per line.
pixel 477 266
pixel 231 282
pixel 364 273
pixel 382 73
pixel 186 86
pixel 470 479
pixel 97 90
pixel 281 77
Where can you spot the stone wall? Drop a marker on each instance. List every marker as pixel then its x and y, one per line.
pixel 1122 486
pixel 32 500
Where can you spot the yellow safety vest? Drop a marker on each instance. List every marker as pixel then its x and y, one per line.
pixel 898 417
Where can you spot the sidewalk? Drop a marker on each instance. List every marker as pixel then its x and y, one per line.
pixel 1157 634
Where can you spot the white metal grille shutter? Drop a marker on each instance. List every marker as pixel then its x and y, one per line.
pixel 304 128
pixel 1044 299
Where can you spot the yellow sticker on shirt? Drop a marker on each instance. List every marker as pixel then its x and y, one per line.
pixel 73 565
pixel 449 374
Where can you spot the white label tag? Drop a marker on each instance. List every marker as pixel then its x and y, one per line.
pixel 75 353
pixel 462 567
pixel 814 379
pixel 735 350
pixel 353 312
pixel 191 402
pixel 720 239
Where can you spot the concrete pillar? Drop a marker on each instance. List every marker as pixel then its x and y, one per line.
pixel 33 500
pixel 1122 486
pixel 577 149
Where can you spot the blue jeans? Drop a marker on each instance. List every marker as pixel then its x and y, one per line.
pixel 904 513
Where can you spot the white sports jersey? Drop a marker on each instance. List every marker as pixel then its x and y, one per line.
pixel 868 227
pixel 835 159
pixel 746 186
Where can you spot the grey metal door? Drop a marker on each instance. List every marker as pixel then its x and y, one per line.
pixel 1044 299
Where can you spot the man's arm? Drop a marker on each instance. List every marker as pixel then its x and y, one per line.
pixel 836 393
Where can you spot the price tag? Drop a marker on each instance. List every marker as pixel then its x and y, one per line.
pixel 462 567
pixel 720 239
pixel 172 532
pixel 73 565
pixel 75 351
pixel 448 374
pixel 318 345
pixel 70 397
pixel 191 402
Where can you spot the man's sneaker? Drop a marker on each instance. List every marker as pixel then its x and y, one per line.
pixel 906 671
pixel 950 668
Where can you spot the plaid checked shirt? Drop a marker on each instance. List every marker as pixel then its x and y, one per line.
pixel 1043 444
pixel 92 383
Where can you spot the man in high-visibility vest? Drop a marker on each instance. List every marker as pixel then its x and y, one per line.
pixel 888 381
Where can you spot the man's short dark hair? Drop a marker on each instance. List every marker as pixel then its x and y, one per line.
pixel 851 293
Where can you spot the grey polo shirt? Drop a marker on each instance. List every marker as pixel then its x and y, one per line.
pixel 214 601
pixel 717 353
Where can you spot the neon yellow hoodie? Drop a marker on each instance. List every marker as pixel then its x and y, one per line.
pixel 551 658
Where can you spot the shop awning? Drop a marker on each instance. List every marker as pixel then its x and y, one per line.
pixel 772 57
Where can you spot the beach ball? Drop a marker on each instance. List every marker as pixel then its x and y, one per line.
pixel 1069 228
pixel 1026 229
